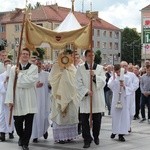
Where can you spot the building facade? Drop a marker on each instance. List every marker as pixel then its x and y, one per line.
pixel 106 37
pixel 145 33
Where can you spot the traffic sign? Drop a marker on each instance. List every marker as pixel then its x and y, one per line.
pixel 146 36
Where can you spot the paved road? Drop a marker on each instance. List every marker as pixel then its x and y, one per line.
pixel 139 139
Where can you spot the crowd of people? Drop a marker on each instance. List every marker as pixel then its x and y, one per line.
pixel 71 93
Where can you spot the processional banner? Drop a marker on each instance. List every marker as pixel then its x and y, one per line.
pixel 36 35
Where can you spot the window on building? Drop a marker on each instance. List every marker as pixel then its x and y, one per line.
pixel 115 57
pixel 17 28
pixel 98 32
pixel 16 41
pixel 92 43
pixel 117 35
pixel 2 28
pixel 5 42
pixel 116 46
pixel 104 56
pixel 56 25
pixel 20 27
pixel 98 44
pixel 110 45
pixel 104 33
pixel 110 34
pixel 93 32
pixel 104 45
pixel 40 24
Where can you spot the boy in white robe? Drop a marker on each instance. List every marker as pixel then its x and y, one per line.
pixel 25 103
pixel 84 94
pixel 121 92
pixel 4 109
pixel 41 119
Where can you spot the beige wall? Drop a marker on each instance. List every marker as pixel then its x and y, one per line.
pixel 11 34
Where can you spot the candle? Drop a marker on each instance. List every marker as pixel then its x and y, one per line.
pixel 8 69
pixel 121 74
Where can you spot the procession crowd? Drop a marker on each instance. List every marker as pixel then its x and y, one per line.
pixel 73 94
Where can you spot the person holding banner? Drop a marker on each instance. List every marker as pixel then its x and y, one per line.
pixel 25 103
pixel 4 109
pixel 97 93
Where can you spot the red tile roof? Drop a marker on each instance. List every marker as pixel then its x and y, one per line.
pixel 56 14
pixel 4 17
pixel 146 8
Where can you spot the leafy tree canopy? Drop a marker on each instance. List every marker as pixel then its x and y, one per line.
pixel 30 7
pixel 131 46
pixel 40 52
pixel 98 57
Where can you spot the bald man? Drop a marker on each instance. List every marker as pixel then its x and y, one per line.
pixel 135 84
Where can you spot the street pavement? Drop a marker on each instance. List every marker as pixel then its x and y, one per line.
pixel 138 139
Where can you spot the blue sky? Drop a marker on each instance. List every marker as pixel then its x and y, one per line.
pixel 121 13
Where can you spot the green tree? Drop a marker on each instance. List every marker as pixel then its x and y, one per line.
pixel 131 46
pixel 2 45
pixel 40 52
pixel 10 57
pixel 29 6
pixel 98 57
pixel 37 5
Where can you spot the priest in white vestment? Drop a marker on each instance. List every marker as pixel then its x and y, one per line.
pixel 64 106
pixel 41 118
pixel 122 90
pixel 135 85
pixel 4 109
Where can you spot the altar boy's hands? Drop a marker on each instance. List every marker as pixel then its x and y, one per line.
pixel 17 70
pixel 92 73
pixel 122 84
pixel 90 93
pixel 39 84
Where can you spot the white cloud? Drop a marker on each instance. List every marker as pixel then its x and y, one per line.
pixel 123 15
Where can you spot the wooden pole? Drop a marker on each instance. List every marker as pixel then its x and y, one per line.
pixel 91 78
pixel 73 45
pixel 17 65
pixel 72 6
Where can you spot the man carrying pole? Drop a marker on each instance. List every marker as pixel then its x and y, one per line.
pixel 21 94
pixel 24 105
pixel 85 93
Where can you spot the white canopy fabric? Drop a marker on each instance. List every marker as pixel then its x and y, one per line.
pixel 70 23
